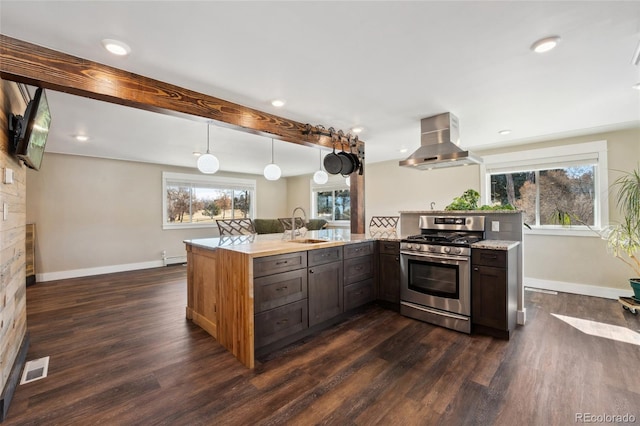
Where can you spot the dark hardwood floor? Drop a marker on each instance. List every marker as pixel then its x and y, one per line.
pixel 122 353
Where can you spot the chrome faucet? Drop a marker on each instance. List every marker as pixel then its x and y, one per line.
pixel 293 220
pixel 433 205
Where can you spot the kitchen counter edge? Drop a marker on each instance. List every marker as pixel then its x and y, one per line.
pixel 272 244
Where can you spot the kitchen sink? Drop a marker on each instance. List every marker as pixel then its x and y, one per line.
pixel 308 241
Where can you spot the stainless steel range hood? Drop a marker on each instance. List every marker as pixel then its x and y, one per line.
pixel 439 145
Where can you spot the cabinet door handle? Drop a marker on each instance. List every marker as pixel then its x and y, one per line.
pixel 397 258
pixel 359 268
pixel 311 271
pixel 282 262
pixel 284 321
pixel 281 288
pixel 476 269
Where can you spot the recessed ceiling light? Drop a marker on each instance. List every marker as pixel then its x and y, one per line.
pixel 82 138
pixel 116 47
pixel 278 103
pixel 636 86
pixel 505 131
pixel 357 129
pixel 197 154
pixel 403 150
pixel 545 44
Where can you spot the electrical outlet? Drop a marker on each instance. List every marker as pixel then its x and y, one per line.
pixel 495 226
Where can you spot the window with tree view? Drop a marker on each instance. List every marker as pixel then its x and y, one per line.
pixel 550 196
pixel 202 201
pixel 333 204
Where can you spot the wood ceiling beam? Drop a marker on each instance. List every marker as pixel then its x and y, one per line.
pixel 39 66
pixel 35 65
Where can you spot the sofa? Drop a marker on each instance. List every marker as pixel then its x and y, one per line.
pixel 273 226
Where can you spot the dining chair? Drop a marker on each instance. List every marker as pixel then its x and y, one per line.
pixel 286 223
pixel 235 227
pixel 384 223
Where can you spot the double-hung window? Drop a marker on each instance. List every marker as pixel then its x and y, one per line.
pixel 331 201
pixel 191 201
pixel 559 190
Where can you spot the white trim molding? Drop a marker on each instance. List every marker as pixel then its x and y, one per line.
pixel 99 270
pixel 577 288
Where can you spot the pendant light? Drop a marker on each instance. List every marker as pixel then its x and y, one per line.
pixel 272 171
pixel 208 163
pixel 320 177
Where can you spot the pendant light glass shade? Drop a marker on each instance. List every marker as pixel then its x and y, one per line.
pixel 208 163
pixel 320 177
pixel 347 181
pixel 272 171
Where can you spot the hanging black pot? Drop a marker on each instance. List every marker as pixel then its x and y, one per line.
pixel 333 162
pixel 354 159
pixel 348 165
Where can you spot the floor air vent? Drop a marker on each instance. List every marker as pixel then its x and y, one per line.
pixel 35 370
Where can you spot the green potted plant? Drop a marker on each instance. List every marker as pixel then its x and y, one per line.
pixel 623 239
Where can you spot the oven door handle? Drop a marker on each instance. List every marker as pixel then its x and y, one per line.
pixel 435 256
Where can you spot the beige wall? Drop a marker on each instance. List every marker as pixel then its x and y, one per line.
pixel 115 222
pixel 390 188
pixel 584 260
pixel 93 213
pixel 13 302
pixel 299 194
pixel 576 260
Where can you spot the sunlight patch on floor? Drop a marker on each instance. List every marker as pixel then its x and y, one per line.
pixel 600 329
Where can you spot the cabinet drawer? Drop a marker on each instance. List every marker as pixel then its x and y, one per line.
pixel 281 322
pixel 280 263
pixel 326 255
pixel 497 258
pixel 389 247
pixel 358 249
pixel 276 290
pixel 358 269
pixel 358 294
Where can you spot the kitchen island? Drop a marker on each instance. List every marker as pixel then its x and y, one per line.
pixel 221 273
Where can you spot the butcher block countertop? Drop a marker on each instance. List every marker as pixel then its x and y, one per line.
pixel 272 244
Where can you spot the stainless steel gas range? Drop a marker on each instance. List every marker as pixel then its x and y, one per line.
pixel 436 270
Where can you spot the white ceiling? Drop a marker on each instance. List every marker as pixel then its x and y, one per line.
pixel 383 65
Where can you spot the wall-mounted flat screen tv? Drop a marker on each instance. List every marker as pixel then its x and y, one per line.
pixel 30 131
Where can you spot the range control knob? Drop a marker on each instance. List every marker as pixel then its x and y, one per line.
pixel 409 246
pixel 446 249
pixel 456 250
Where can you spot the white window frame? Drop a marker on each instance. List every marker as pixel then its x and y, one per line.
pixel 332 185
pixel 550 157
pixel 218 181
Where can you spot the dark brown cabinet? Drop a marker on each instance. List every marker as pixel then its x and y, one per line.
pixel 494 291
pixel 388 280
pixel 325 292
pixel 280 296
pixel 359 268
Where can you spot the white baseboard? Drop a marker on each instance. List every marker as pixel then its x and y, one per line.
pixel 174 260
pixel 576 288
pixel 75 273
